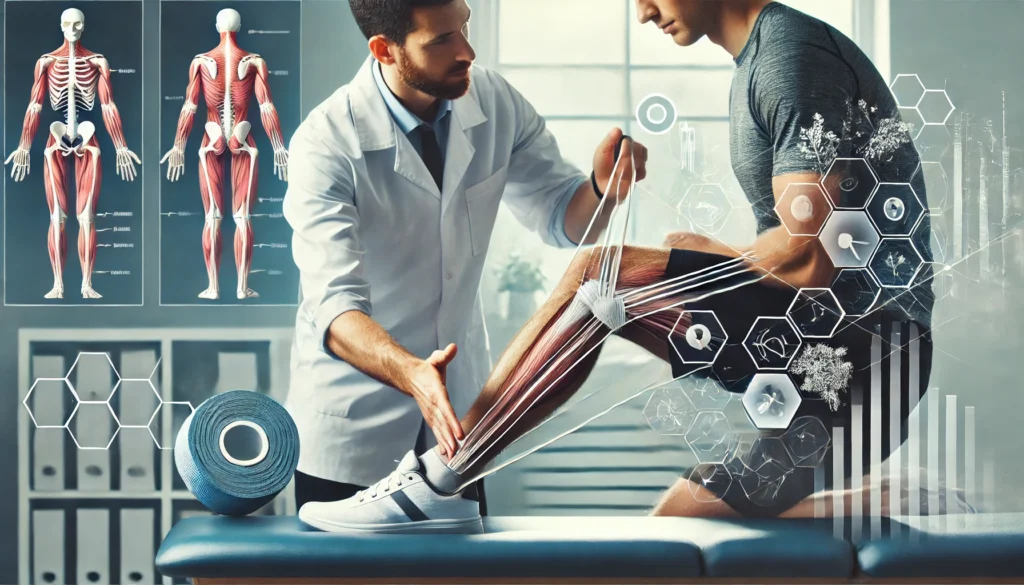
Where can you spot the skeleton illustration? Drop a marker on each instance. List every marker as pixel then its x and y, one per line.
pixel 73 77
pixel 227 77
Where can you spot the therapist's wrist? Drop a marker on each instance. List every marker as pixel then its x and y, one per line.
pixel 593 183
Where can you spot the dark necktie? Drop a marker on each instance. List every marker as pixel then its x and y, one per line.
pixel 432 154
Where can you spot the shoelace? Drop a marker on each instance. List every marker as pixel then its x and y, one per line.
pixel 393 481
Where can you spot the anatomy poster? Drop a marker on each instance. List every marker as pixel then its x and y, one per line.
pixel 229 84
pixel 72 152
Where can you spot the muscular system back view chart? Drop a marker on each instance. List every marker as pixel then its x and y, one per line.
pixel 248 85
pixel 77 74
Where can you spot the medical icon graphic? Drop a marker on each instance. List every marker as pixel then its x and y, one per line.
pixel 850 182
pixel 771 400
pixel 772 342
pixel 896 263
pixel 706 206
pixel 73 78
pixel 895 209
pixel 710 437
pixel 703 340
pixel 669 411
pixel 849 238
pixel 706 394
pixel 815 312
pixel 227 77
pixel 769 465
pixel 656 113
pixel 714 478
pixel 807 441
pixel 856 290
pixel 803 209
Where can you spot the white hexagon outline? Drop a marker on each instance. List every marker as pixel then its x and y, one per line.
pixel 149 427
pixel 648 420
pixel 773 376
pixel 696 470
pixel 920 118
pixel 109 361
pixel 934 211
pixel 825 196
pixel 725 339
pixel 703 384
pixel 673 114
pixel 952 107
pixel 109 409
pixel 924 210
pixel 842 312
pixel 836 206
pixel 117 387
pixel 871 275
pixel 799 338
pixel 912 277
pixel 67 384
pixel 870 223
pixel 893 92
pixel 684 201
pixel 718 414
pixel 789 430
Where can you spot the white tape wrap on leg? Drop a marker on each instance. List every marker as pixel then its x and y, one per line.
pixel 609 310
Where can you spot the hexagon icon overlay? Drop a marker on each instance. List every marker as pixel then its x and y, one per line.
pixel 702 341
pixel 849 239
pixel 137 401
pixel 710 437
pixel 850 182
pixel 771 401
pixel 907 89
pixel 803 209
pixel 669 411
pixel 816 313
pixel 772 343
pixel 707 207
pixel 856 290
pixel 896 263
pixel 93 426
pixel 935 107
pixel 45 398
pixel 895 209
pixel 93 376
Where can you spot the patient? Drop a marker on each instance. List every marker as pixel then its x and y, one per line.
pixel 551 356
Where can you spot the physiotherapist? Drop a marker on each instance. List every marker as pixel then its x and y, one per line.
pixel 395 182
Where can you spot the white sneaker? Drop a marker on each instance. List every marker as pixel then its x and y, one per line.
pixel 403 502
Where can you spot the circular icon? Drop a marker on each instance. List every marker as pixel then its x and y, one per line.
pixel 656 114
pixel 802 208
pixel 698 336
pixel 894 209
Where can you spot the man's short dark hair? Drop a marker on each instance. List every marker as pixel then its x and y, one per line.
pixel 391 18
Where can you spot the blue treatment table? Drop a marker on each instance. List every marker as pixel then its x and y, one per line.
pixel 280 549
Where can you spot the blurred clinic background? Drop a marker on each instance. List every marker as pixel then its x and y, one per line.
pixel 97 514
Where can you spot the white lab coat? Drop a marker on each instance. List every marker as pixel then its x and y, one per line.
pixel 372 233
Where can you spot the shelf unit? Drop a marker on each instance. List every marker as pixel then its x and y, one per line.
pixel 170 498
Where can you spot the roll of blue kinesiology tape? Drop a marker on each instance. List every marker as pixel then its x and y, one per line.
pixel 237 451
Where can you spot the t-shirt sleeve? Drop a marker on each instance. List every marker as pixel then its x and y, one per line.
pixel 800 87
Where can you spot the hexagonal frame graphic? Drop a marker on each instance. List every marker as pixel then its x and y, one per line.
pixel 797 426
pixel 698 470
pixel 672 335
pixel 757 385
pixel 784 201
pixel 907 78
pixel 149 382
pixel 699 385
pixel 913 277
pixel 796 350
pixel 684 204
pixel 832 226
pixel 729 436
pixel 871 277
pixel 878 194
pixel 110 362
pixel 944 95
pixel 686 408
pixel 157 413
pixel 797 298
pixel 32 416
pixel 917 123
pixel 78 406
pixel 837 200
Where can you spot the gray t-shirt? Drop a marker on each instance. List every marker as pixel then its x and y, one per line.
pixel 797 80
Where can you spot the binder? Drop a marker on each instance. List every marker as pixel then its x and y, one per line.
pixel 48 407
pixel 93 424
pixel 48 546
pixel 236 371
pixel 93 544
pixel 137 402
pixel 138 531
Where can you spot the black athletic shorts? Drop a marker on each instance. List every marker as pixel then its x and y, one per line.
pixel 902 350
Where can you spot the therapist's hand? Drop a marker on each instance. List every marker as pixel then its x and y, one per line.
pixel 427 384
pixel 604 162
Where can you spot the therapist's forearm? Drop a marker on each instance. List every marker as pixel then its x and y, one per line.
pixel 359 340
pixel 581 211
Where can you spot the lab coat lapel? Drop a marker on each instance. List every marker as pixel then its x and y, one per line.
pixel 466 114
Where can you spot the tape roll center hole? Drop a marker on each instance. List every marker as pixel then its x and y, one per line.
pixel 244 443
pixel 657 114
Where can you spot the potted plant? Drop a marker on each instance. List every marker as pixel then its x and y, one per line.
pixel 519 280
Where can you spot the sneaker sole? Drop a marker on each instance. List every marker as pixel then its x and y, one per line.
pixel 469 526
